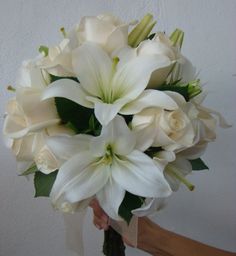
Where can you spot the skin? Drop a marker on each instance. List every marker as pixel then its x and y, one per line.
pixel 158 241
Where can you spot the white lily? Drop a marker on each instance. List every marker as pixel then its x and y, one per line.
pixel 175 170
pixel 58 62
pixel 105 167
pixel 160 45
pixel 111 86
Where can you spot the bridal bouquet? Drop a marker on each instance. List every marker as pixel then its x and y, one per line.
pixel 113 113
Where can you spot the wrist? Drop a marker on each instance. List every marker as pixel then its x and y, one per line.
pixel 152 238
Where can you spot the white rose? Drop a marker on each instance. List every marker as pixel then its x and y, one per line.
pixel 159 45
pixel 33 148
pixel 171 130
pixel 106 30
pixel 204 124
pixel 26 112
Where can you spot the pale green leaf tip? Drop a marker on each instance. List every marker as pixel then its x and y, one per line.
pixel 32 169
pixel 43 50
pixel 63 31
pixel 11 88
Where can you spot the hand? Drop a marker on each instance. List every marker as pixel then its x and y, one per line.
pixel 100 218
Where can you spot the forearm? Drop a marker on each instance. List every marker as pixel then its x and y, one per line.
pixel 160 242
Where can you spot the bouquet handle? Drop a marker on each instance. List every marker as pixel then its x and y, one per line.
pixel 113 243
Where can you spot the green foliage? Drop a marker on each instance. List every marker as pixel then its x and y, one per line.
pixel 198 164
pixel 128 118
pixel 181 89
pixel 152 151
pixel 32 169
pixel 187 90
pixel 73 114
pixel 129 203
pixel 150 37
pixel 78 118
pixel 43 183
pixel 55 78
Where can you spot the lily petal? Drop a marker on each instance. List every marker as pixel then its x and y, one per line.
pixel 117 134
pixel 110 198
pixel 138 174
pixel 105 112
pixel 145 138
pixel 67 88
pixel 64 146
pixel 79 178
pixel 149 98
pixel 93 67
pixel 132 78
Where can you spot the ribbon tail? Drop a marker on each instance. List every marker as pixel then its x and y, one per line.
pixel 74 231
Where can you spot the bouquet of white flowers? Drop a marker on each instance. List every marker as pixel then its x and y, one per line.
pixel 112 115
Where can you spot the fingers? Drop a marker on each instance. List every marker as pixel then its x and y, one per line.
pixel 127 242
pixel 100 223
pixel 100 218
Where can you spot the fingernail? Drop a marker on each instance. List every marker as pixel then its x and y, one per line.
pixel 105 226
pixel 98 227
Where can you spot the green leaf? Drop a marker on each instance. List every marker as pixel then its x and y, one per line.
pixel 128 118
pixel 152 151
pixel 194 88
pixel 198 164
pixel 55 78
pixel 175 87
pixel 32 169
pixel 43 183
pixel 73 113
pixel 78 118
pixel 187 90
pixel 129 203
pixel 150 37
pixel 44 50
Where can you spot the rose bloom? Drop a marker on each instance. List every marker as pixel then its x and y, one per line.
pixel 171 130
pixel 160 45
pixel 107 31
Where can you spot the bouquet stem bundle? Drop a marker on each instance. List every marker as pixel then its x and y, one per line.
pixel 113 244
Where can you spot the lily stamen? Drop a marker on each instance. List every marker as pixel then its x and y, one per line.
pixel 175 172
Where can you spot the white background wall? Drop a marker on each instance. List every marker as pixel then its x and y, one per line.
pixel 29 226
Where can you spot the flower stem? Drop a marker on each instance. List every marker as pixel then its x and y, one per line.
pixel 113 244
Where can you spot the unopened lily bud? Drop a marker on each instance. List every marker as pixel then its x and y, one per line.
pixel 141 30
pixel 177 38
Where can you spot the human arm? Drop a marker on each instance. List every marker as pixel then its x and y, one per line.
pixel 161 242
pixel 158 241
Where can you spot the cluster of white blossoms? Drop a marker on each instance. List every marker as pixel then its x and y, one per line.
pixel 145 102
